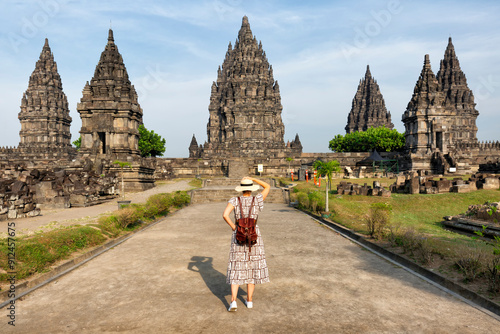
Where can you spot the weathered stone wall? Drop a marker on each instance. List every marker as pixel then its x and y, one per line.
pixel 277 167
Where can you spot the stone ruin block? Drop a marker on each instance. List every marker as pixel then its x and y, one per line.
pixel 461 188
pixel 490 183
pixel 384 192
pixel 443 186
pixel 414 185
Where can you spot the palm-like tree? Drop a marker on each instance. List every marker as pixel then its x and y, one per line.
pixel 327 169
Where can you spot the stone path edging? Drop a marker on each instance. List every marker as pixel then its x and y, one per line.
pixel 442 282
pixel 28 286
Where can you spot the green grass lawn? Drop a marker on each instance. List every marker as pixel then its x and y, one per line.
pixel 415 229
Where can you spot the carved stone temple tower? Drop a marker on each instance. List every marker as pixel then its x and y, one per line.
pixel 245 106
pixel 368 107
pixel 44 115
pixel 440 116
pixel 458 98
pixel 109 110
pixel 111 116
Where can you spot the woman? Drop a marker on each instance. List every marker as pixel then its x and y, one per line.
pixel 246 266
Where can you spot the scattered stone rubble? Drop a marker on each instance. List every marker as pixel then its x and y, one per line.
pixel 489 212
pixel 413 183
pixel 23 192
pixel 348 188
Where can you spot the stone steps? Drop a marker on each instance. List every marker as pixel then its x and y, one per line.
pixel 230 182
pixel 223 194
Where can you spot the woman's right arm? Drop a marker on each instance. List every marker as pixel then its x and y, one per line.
pixel 265 185
pixel 226 217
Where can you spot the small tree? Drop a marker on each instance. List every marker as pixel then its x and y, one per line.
pixel 123 164
pixel 78 143
pixel 327 169
pixel 381 139
pixel 151 144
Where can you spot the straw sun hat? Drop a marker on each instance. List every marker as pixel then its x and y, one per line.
pixel 247 185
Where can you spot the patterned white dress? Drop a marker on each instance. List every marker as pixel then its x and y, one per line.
pixel 246 267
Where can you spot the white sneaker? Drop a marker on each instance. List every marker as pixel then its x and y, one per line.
pixel 233 307
pixel 248 304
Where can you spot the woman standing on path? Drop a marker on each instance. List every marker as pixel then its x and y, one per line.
pixel 246 266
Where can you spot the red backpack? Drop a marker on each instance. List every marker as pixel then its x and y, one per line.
pixel 245 228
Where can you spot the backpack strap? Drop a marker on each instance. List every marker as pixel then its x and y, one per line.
pixel 241 209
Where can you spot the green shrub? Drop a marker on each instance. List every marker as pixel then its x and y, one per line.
pixel 180 199
pixel 408 240
pixel 493 273
pixel 424 249
pixel 378 219
pixel 109 225
pixel 393 235
pixel 158 205
pixel 303 200
pixel 468 261
pixel 126 217
pixel 314 200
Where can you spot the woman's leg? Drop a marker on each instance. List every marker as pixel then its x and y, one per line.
pixel 250 290
pixel 234 291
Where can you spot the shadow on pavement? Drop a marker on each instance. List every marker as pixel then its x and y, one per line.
pixel 215 281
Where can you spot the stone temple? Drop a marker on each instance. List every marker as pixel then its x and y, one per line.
pixel 245 106
pixel 440 117
pixel 111 116
pixel 44 115
pixel 109 109
pixel 368 107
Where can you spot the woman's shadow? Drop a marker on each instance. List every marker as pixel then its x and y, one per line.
pixel 215 281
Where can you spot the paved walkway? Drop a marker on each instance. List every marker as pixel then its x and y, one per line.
pixel 170 278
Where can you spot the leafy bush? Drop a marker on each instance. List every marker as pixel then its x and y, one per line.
pixel 126 217
pixel 469 262
pixel 315 200
pixel 393 235
pixel 424 249
pixel 157 205
pixel 181 198
pixel 493 271
pixel 303 200
pixel 378 219
pixel 408 240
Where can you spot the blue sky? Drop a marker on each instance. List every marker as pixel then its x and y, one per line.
pixel 318 49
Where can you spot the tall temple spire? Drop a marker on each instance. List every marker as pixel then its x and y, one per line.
pixel 427 90
pixel 44 115
pixel 245 104
pixel 458 96
pixel 109 109
pixel 368 107
pixel 110 36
